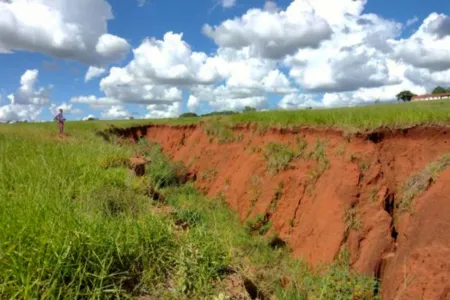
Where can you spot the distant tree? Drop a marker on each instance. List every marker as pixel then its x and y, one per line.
pixel 440 90
pixel 249 109
pixel 377 101
pixel 405 96
pixel 220 113
pixel 188 115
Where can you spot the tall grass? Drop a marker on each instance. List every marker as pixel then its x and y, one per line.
pixel 355 118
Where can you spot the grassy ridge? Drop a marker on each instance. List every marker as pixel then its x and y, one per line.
pixel 355 118
pixel 74 223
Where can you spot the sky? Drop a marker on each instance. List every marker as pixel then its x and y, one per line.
pixel 114 59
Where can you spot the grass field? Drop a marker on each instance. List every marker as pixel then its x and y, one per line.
pixel 396 115
pixel 76 223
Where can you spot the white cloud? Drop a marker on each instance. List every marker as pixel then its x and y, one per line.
pixel 116 112
pixel 20 112
pixel 273 34
pixel 158 111
pixel 356 56
pixel 271 6
pixel 171 61
pixel 141 2
pixel 316 53
pixel 93 72
pixel 95 102
pixel 228 3
pixel 428 46
pixel 193 103
pixel 225 98
pixel 27 93
pixel 296 101
pixel 74 30
pixel 27 102
pixel 412 21
pixel 67 108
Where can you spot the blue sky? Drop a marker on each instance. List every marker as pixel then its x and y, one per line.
pixel 64 79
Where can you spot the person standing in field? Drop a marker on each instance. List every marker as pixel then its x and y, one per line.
pixel 60 118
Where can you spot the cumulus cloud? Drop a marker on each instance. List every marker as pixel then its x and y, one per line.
pixel 20 112
pixel 428 47
pixel 356 56
pixel 296 101
pixel 193 103
pixel 67 108
pixel 116 112
pixel 74 30
pixel 313 53
pixel 27 93
pixel 273 34
pixel 171 61
pixel 93 72
pixel 158 111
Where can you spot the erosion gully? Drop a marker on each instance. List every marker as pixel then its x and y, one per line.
pixel 354 202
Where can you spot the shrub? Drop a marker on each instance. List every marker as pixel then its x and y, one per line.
pixel 278 157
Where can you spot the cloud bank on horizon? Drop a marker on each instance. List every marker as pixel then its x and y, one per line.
pixel 310 53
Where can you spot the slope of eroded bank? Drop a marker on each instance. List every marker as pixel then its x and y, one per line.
pixel 383 194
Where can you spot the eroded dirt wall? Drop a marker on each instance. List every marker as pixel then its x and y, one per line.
pixel 353 201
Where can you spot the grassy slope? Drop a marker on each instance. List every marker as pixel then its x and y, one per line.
pixel 71 227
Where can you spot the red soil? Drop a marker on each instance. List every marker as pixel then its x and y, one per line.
pixel 410 256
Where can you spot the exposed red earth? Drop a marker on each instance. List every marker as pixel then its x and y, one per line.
pixel 354 202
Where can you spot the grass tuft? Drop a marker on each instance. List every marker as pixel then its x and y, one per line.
pixel 420 182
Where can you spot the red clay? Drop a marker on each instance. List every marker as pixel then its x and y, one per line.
pixel 411 256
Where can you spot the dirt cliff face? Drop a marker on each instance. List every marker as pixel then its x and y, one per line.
pixel 347 193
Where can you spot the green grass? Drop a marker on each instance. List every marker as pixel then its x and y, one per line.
pixel 397 115
pixel 75 223
pixel 420 182
pixel 278 157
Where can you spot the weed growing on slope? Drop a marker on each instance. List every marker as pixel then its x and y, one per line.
pixel 259 223
pixel 318 153
pixel 276 197
pixel 208 174
pixel 301 144
pixel 278 156
pixel 351 219
pixel 340 150
pixel 219 130
pixel 420 182
pixel 255 192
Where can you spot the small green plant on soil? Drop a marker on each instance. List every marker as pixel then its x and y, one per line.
pixel 208 174
pixel 276 197
pixel 301 144
pixel 340 150
pixel 259 223
pixel 318 153
pixel 373 195
pixel 420 182
pixel 291 222
pixel 255 192
pixel 278 157
pixel 219 130
pixel 352 219
pixel 357 159
pixel 261 128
